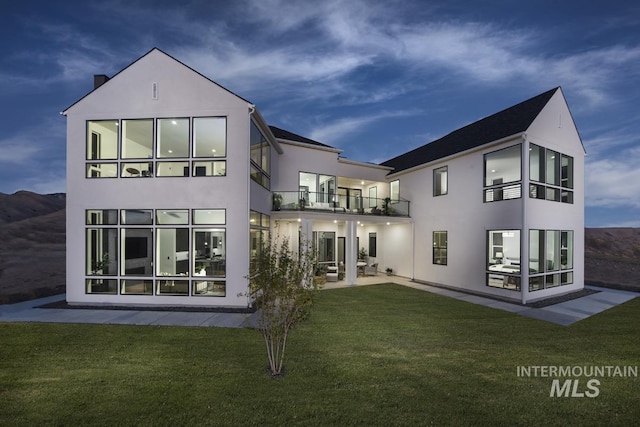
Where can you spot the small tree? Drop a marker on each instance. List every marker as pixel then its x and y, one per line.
pixel 282 285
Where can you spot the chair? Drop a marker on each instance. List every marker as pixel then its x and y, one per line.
pixel 371 270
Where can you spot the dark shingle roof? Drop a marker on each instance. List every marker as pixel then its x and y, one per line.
pixel 500 125
pixel 290 136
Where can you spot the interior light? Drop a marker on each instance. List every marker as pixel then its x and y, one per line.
pixel 252 220
pixel 170 151
pixel 213 150
pixel 173 122
pixel 335 221
pixel 361 182
pixel 299 220
pixel 493 171
pixel 388 223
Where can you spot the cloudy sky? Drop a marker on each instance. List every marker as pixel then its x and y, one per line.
pixel 374 78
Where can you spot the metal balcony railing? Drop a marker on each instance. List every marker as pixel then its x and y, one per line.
pixel 325 202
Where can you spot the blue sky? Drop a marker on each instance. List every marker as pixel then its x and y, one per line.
pixel 374 78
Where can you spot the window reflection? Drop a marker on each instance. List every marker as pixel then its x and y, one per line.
pixel 137 139
pixel 209 135
pixel 102 140
pixel 209 253
pixel 503 259
pixel 172 252
pixel 173 138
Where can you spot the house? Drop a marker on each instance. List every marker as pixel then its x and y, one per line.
pixel 173 182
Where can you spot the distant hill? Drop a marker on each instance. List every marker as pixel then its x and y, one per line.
pixel 32 254
pixel 25 204
pixel 614 243
pixel 612 257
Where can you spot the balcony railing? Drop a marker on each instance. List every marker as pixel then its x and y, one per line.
pixel 324 202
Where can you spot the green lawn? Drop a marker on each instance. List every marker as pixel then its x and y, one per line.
pixel 376 355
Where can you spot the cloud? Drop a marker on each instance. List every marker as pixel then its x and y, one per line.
pixel 613 183
pixel 27 146
pixel 340 129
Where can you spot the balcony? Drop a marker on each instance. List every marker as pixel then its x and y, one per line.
pixel 334 203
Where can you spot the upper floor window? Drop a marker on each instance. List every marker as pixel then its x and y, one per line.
pixel 209 137
pixel 137 139
pixel 503 174
pixel 141 141
pixel 553 169
pixel 173 138
pixel 440 184
pixel 260 157
pixel 394 190
pixel 102 140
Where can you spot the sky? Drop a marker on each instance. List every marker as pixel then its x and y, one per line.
pixel 373 78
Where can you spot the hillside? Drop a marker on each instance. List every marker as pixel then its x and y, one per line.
pixel 32 254
pixel 25 204
pixel 612 257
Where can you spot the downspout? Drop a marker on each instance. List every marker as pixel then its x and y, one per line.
pixel 252 109
pixel 413 250
pixel 524 250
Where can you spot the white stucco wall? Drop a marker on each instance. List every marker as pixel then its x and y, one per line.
pixel 296 159
pixel 554 129
pixel 181 93
pixel 466 218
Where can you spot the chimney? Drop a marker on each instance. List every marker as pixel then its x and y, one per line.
pixel 99 80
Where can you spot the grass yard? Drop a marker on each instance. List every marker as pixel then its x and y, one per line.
pixel 376 355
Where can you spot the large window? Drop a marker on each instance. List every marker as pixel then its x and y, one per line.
pixel 260 157
pixel 440 247
pixel 319 191
pixel 440 181
pixel 503 174
pixel 259 233
pixel 551 175
pixel 550 258
pixel 209 137
pixel 173 138
pixel 102 140
pixel 133 141
pixel 137 139
pixel 102 144
pixel 503 259
pixel 156 252
pixel 394 190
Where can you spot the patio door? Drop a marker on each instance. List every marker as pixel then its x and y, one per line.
pixel 325 242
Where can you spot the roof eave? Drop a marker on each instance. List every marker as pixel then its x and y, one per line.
pixel 253 111
pixel 307 145
pixel 515 136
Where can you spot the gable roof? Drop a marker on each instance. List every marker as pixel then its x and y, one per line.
pixel 513 120
pixel 155 49
pixel 290 136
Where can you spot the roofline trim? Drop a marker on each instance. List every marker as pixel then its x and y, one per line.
pixel 462 153
pixel 365 164
pixel 255 113
pixel 64 112
pixel 305 145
